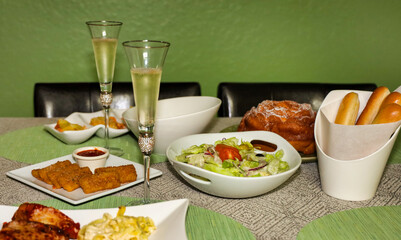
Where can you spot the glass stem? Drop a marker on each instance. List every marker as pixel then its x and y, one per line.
pixel 146 142
pixel 106 126
pixel 146 182
pixel 106 98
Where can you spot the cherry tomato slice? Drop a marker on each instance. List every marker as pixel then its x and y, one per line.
pixel 227 152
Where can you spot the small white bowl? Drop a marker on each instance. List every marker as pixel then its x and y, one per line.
pixel 92 162
pixel 177 117
pixel 229 186
pixel 83 119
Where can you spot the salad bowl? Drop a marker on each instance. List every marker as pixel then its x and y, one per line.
pixel 231 186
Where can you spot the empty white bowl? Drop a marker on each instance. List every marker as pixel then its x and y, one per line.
pixel 94 161
pixel 229 186
pixel 177 117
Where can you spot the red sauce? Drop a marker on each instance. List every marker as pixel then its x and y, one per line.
pixel 90 153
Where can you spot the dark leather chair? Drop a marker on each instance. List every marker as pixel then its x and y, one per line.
pixel 62 99
pixel 238 98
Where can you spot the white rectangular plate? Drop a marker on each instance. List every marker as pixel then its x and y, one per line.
pixel 77 196
pixel 169 217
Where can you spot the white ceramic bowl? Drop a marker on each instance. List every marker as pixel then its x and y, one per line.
pixel 92 162
pixel 83 119
pixel 177 117
pixel 228 186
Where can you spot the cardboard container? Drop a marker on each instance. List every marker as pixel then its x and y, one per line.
pixel 351 159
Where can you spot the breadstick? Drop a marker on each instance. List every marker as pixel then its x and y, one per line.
pixel 348 110
pixel 389 113
pixel 394 97
pixel 373 105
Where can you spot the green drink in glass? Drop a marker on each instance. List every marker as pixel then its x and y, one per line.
pixel 104 40
pixel 146 59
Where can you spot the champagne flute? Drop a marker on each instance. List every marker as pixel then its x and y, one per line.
pixel 146 59
pixel 104 40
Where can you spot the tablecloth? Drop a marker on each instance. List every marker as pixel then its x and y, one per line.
pixel 279 214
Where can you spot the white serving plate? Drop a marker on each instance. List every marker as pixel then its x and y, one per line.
pixel 77 196
pixel 228 186
pixel 83 119
pixel 169 217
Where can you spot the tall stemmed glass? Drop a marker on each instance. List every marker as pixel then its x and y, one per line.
pixel 104 40
pixel 146 59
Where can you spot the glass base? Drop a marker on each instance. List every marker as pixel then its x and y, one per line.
pixel 116 151
pixel 140 201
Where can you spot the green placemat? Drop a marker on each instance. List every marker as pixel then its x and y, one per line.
pixel 34 145
pixel 200 223
pixel 232 128
pixel 363 223
pixel 395 156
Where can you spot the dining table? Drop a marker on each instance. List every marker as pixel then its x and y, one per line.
pixel 297 209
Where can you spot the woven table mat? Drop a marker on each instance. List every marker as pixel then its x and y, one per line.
pixel 35 145
pixel 363 223
pixel 280 214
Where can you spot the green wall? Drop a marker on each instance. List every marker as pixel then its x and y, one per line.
pixel 212 41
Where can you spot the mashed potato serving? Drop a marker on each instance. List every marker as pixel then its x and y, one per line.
pixel 121 227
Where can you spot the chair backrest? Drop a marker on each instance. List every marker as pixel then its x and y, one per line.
pixel 62 99
pixel 238 98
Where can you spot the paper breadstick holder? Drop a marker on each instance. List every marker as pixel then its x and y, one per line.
pixel 351 159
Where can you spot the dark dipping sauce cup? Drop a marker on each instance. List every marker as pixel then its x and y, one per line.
pixel 90 153
pixel 92 157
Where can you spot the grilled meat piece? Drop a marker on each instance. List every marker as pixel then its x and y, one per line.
pixel 22 230
pixel 47 215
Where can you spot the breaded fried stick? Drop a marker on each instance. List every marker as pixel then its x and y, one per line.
pixel 69 180
pixel 98 182
pixel 41 173
pixel 126 173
